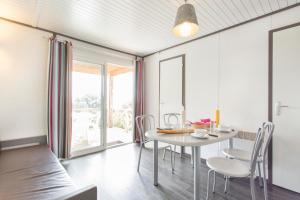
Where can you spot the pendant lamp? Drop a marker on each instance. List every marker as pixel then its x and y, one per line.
pixel 186 23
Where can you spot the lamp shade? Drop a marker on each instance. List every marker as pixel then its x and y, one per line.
pixel 186 23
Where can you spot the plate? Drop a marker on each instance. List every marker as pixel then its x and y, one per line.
pixel 203 131
pixel 195 135
pixel 223 130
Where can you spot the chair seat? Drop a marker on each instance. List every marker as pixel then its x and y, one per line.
pixel 228 167
pixel 161 145
pixel 237 154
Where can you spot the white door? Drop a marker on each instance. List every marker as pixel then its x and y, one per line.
pixel 171 87
pixel 286 110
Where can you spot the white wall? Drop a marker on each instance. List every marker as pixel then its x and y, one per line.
pixel 89 53
pixel 239 84
pixel 23 78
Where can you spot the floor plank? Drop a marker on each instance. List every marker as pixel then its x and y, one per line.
pixel 114 173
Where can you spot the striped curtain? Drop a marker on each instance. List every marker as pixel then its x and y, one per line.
pixel 60 98
pixel 139 95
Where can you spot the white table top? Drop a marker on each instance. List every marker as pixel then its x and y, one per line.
pixel 186 139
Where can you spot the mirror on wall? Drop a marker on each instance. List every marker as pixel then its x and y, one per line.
pixel 171 91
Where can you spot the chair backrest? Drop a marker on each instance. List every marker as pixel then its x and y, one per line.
pixel 268 128
pixel 144 123
pixel 168 120
pixel 256 149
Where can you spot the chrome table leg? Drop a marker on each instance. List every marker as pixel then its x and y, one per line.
pixel 155 162
pixel 197 167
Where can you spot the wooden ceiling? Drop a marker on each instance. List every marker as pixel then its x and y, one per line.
pixel 136 26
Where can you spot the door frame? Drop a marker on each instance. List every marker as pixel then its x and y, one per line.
pixel 104 106
pixel 270 95
pixel 183 81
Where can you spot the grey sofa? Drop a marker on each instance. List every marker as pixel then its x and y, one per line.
pixel 33 173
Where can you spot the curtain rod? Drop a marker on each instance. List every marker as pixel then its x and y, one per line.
pixel 67 36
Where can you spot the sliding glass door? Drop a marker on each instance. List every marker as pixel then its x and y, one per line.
pixel 102 106
pixel 87 108
pixel 120 83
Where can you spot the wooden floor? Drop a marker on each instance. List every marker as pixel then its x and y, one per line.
pixel 114 173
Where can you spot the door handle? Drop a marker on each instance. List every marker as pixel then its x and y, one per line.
pixel 278 107
pixel 284 106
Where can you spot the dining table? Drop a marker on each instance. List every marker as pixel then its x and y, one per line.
pixel 186 140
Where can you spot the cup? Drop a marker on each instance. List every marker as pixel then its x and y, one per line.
pixel 201 132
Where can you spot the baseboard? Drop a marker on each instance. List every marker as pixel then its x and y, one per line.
pixel 281 188
pixel 23 142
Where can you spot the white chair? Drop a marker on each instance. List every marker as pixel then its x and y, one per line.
pixel 236 168
pixel 171 120
pixel 147 123
pixel 239 154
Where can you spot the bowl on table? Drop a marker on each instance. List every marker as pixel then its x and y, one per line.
pixel 224 129
pixel 201 124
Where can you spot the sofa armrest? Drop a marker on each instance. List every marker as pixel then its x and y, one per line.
pixel 86 193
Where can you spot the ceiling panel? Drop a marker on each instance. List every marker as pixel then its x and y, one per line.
pixel 137 26
pixel 23 11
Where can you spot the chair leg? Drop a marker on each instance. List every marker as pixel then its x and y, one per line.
pixel 265 181
pixel 214 184
pixel 208 175
pixel 226 182
pixel 192 158
pixel 140 155
pixel 180 154
pixel 252 187
pixel 164 155
pixel 174 154
pixel 172 159
pixel 259 175
pixel 224 175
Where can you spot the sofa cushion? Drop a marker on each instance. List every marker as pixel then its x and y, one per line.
pixel 32 173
